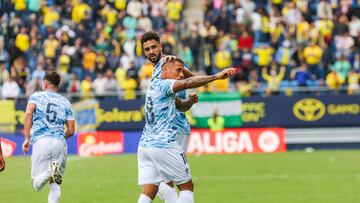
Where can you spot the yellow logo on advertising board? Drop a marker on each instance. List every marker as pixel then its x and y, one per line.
pixel 309 109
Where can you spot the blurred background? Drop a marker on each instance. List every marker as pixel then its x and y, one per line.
pixel 298 62
pixel 296 90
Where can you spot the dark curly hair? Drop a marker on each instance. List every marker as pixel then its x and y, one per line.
pixel 151 35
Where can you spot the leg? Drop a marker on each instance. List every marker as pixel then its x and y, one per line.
pixel 167 192
pixel 148 176
pixel 54 192
pixel 148 193
pixel 186 192
pixel 172 165
pixel 40 164
pixel 58 163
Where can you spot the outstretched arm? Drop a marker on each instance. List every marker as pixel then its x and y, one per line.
pixel 30 108
pixel 198 81
pixel 185 105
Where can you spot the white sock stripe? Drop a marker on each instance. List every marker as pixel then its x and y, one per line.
pixel 187 192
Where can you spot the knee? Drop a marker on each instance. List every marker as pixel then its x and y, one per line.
pixel 191 186
pixel 150 190
pixel 187 186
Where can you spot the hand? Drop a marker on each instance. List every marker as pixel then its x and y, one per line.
pixel 2 163
pixel 194 98
pixel 167 58
pixel 25 146
pixel 228 72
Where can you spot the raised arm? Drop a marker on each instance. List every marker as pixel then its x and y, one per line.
pixel 185 105
pixel 30 108
pixel 198 81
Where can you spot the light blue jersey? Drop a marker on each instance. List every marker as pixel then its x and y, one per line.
pixel 160 129
pixel 157 70
pixel 50 115
pixel 180 120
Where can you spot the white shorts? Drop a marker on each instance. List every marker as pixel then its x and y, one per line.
pixel 46 150
pixel 157 165
pixel 183 140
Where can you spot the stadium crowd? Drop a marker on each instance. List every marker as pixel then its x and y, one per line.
pixel 95 45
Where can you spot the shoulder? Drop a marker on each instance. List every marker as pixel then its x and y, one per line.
pixel 36 95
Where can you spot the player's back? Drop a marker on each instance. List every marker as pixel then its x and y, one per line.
pixel 51 112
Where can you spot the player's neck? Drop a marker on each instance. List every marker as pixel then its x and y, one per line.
pixel 54 90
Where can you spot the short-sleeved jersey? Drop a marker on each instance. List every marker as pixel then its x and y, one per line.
pixel 180 121
pixel 50 115
pixel 160 129
pixel 157 70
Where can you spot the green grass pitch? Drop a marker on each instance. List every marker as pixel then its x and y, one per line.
pixel 296 176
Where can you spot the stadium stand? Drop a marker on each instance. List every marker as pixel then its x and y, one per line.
pixel 280 47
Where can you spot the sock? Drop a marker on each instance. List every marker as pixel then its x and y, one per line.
pixel 54 193
pixel 186 196
pixel 167 193
pixel 144 199
pixel 40 180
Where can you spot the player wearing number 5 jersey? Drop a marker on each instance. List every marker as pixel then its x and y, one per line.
pixel 47 113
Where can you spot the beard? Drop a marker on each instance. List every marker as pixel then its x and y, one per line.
pixel 155 59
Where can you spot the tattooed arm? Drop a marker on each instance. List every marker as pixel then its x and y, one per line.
pixel 185 105
pixel 198 81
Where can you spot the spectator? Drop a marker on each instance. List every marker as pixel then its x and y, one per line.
pixel 74 85
pixel 38 73
pixel 354 26
pixel 174 9
pixel 4 73
pixel 312 56
pixel 342 67
pixel 22 40
pixel 99 85
pixel 111 83
pixel 50 46
pixel 324 10
pixel 264 55
pixel 216 122
pixel 86 86
pixel 344 43
pixel 129 86
pixel 245 41
pixel 79 11
pixel 222 58
pixel 284 54
pixel 334 80
pixel 33 86
pixel 273 79
pixel 10 89
pixel 301 75
pixel 353 81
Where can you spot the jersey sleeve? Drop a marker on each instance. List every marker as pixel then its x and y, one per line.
pixel 70 113
pixel 181 94
pixel 166 86
pixel 33 99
